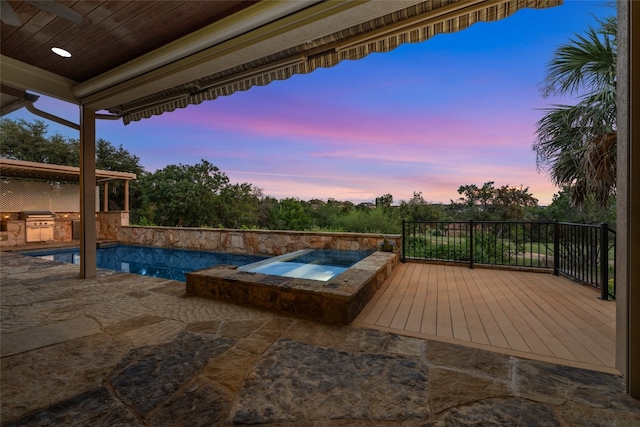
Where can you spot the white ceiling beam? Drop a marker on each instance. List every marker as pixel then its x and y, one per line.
pixel 23 76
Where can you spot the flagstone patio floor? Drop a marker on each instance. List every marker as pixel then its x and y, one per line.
pixel 129 350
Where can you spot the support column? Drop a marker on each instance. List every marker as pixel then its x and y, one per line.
pixel 88 261
pixel 126 195
pixel 105 198
pixel 628 187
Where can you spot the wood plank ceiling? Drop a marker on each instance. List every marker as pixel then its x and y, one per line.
pixel 110 32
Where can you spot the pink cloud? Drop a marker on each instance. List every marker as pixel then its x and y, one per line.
pixel 363 129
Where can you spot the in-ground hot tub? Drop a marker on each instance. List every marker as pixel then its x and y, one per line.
pixel 314 264
pixel 337 300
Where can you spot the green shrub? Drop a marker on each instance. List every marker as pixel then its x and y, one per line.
pixel 367 221
pixel 486 249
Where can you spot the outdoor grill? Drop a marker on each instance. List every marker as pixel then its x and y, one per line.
pixel 38 225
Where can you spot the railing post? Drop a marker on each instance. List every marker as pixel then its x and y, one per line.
pixel 471 244
pixel 403 241
pixel 604 261
pixel 556 248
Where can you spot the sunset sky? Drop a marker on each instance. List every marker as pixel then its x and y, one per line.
pixel 457 109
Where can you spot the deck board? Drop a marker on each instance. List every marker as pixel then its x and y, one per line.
pixel 396 294
pixel 444 327
pixel 489 322
pixel 430 313
pixel 559 315
pixel 539 338
pixel 458 315
pixel 544 325
pixel 404 306
pixel 414 320
pixel 500 307
pixel 527 314
pixel 477 332
pixel 372 311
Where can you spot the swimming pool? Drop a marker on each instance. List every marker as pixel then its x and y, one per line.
pixel 295 283
pixel 150 261
pixel 172 264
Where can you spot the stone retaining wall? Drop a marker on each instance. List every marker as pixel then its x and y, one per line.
pixel 252 242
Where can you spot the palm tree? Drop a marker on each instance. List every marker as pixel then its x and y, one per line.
pixel 577 143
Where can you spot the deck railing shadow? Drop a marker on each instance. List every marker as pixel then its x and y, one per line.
pixel 583 252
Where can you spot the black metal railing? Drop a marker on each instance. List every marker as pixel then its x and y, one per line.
pixel 583 252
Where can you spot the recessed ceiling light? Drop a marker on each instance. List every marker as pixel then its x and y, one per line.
pixel 61 52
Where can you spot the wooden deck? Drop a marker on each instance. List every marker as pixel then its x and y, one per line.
pixel 530 315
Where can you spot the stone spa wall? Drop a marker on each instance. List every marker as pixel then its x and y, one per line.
pixel 251 242
pixel 337 301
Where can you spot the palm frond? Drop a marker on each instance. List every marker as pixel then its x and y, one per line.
pixel 576 144
pixel 584 63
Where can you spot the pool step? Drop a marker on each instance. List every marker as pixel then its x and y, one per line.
pixel 280 258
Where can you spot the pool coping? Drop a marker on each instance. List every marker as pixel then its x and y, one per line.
pixel 336 301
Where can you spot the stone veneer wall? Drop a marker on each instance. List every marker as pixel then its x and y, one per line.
pixel 14 229
pixel 14 234
pixel 109 223
pixel 107 226
pixel 63 229
pixel 264 242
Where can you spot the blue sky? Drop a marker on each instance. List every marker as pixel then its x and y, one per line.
pixel 457 109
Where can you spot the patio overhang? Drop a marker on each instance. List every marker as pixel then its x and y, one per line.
pixel 20 169
pixel 243 45
pixel 31 170
pixel 322 35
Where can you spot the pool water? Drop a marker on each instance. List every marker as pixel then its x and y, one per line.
pixel 311 264
pixel 172 264
pixel 149 261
